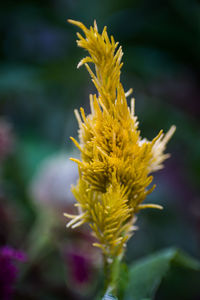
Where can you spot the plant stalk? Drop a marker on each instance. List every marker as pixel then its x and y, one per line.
pixel 111 275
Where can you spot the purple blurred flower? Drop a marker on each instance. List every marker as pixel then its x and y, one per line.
pixel 82 262
pixel 8 270
pixel 80 267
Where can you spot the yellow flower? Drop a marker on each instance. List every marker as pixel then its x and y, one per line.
pixel 116 163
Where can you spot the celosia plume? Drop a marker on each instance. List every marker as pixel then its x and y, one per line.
pixel 116 163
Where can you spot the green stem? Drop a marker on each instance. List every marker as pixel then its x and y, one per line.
pixel 111 275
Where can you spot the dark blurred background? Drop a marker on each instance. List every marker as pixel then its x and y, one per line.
pixel 39 89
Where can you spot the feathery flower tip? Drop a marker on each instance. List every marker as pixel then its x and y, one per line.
pixel 116 163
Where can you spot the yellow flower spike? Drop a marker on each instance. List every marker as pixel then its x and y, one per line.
pixel 116 163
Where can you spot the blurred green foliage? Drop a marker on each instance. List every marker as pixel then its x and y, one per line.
pixel 146 275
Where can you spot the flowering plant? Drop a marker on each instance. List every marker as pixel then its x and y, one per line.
pixel 116 165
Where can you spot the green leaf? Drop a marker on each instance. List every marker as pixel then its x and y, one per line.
pixel 147 274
